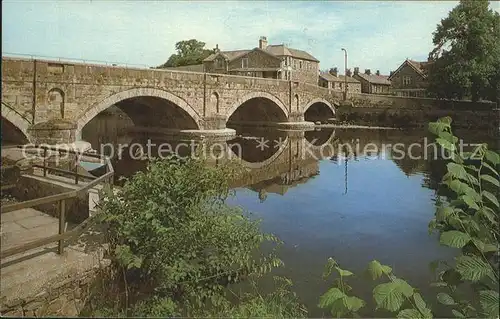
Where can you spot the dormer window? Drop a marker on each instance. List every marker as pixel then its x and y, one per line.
pixel 219 63
pixel 244 63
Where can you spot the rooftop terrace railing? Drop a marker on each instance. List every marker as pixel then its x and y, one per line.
pixel 106 178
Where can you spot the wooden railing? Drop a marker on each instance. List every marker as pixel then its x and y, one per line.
pixel 61 199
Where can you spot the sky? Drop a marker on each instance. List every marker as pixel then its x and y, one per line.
pixel 377 35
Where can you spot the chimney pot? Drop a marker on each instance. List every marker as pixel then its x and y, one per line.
pixel 378 72
pixel 348 72
pixel 367 71
pixel 356 70
pixel 263 43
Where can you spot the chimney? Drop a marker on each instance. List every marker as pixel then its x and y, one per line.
pixel 368 72
pixel 216 48
pixel 334 71
pixel 349 73
pixel 378 72
pixel 356 70
pixel 263 43
pixel 391 73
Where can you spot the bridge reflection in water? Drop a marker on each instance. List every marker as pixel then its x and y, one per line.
pixel 273 160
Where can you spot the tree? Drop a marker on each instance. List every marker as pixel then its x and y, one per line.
pixel 189 52
pixel 467 53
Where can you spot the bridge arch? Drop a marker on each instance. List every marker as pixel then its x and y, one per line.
pixel 319 100
pixel 16 121
pixel 318 110
pixel 113 99
pixel 257 95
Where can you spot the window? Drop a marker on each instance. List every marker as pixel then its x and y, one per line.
pixel 300 64
pixel 219 63
pixel 406 80
pixel 244 63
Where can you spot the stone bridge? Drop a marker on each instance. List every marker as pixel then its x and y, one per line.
pixel 51 101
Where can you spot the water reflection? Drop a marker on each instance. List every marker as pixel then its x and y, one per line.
pixel 347 193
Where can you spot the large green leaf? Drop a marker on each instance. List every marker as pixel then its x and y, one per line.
pixel 409 313
pixel 488 166
pixel 454 238
pixel 329 297
pixel 457 170
pixel 421 306
pixel 489 303
pixel 390 295
pixel 492 157
pixel 484 247
pixel 343 272
pixel 473 268
pixel 470 201
pixel 376 269
pixel 404 287
pixel 443 212
pixel 460 188
pixel 492 198
pixel 490 179
pixel 353 303
pixel 438 127
pixel 446 144
pixel 445 299
pixel 489 214
pixel 448 136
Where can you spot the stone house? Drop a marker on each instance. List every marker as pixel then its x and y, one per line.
pixel 373 83
pixel 334 81
pixel 267 61
pixel 410 78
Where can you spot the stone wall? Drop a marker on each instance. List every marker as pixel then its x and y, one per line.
pixel 32 187
pixel 308 73
pixel 397 102
pixel 398 117
pixel 64 296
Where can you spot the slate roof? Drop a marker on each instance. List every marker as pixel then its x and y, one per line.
pixel 229 55
pixel 421 68
pixel 339 78
pixel 276 50
pixel 375 79
pixel 282 50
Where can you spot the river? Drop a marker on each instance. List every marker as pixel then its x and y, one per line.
pixel 354 206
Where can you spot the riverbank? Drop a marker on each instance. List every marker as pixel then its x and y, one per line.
pixel 351 126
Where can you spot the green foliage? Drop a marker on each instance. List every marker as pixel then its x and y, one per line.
pixel 171 232
pixel 391 295
pixel 468 219
pixel 189 52
pixel 467 53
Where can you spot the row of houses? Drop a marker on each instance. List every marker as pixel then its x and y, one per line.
pixel 409 80
pixel 282 62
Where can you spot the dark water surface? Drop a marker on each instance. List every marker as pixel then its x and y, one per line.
pixel 370 206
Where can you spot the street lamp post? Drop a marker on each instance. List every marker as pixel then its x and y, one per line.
pixel 345 73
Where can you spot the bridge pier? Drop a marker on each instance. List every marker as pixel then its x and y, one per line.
pixel 52 132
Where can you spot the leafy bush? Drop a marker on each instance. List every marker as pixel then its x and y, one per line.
pixel 468 219
pixel 173 236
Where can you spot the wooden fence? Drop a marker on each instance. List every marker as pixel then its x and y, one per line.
pixel 62 235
